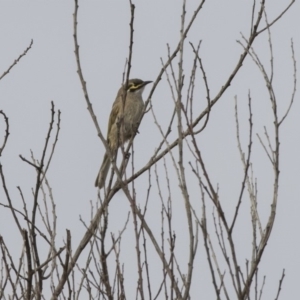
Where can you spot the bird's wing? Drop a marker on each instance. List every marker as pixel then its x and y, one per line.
pixel 115 111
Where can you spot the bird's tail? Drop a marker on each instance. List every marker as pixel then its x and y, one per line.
pixel 100 180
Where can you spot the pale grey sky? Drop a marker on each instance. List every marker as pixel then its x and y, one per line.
pixel 48 72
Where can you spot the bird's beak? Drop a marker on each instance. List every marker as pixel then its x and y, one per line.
pixel 146 82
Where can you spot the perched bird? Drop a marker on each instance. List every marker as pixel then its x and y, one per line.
pixel 119 132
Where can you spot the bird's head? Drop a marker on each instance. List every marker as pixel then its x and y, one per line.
pixel 136 85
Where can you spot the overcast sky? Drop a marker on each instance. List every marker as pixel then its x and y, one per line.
pixel 48 73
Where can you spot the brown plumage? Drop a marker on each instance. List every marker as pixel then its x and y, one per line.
pixel 116 134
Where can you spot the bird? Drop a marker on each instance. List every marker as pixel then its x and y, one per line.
pixel 120 132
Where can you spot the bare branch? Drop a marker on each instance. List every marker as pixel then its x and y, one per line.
pixel 295 84
pixel 17 60
pixel 6 131
pixel 280 284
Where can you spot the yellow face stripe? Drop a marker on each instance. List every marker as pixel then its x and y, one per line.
pixel 133 87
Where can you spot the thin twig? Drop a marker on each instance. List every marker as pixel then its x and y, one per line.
pixel 6 131
pixel 17 60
